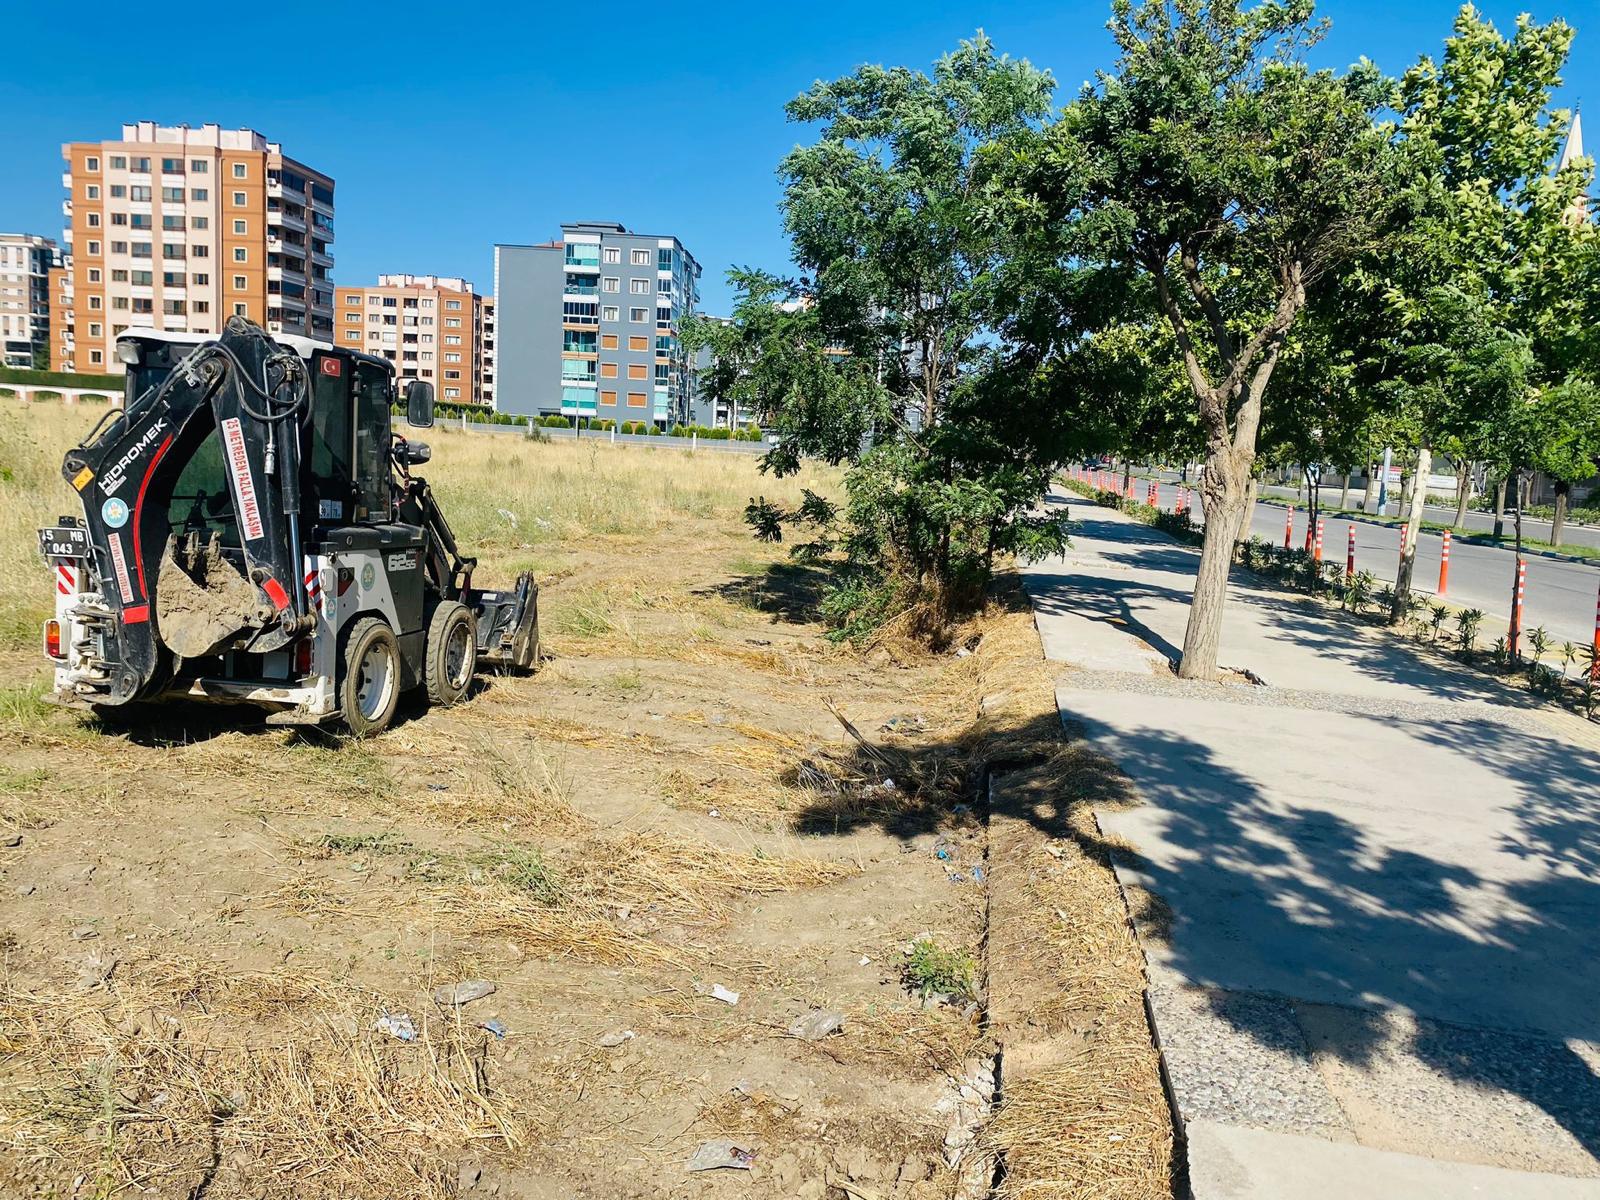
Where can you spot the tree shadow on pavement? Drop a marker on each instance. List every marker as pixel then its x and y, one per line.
pixel 1266 887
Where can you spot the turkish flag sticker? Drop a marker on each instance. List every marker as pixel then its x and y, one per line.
pixel 330 366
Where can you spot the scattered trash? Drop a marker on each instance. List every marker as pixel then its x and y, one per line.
pixel 911 724
pixel 886 788
pixel 963 652
pixel 507 515
pixel 865 961
pixel 956 876
pixel 718 718
pixel 496 1027
pixel 95 970
pixel 723 1152
pixel 612 1040
pixel 624 912
pixel 962 808
pixel 713 813
pixel 1053 850
pixel 27 889
pixel 467 1176
pixel 84 932
pixel 941 849
pixel 817 1024
pixel 13 841
pixel 977 874
pixel 438 787
pixel 718 992
pixel 458 994
pixel 397 1025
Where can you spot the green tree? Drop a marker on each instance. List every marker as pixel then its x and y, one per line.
pixel 885 355
pixel 1214 171
pixel 1483 284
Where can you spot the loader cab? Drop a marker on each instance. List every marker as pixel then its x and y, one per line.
pixel 348 460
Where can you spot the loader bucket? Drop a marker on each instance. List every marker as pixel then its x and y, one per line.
pixel 508 624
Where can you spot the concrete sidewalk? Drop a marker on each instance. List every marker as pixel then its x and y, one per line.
pixel 1369 891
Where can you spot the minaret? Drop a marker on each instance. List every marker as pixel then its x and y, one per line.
pixel 1571 151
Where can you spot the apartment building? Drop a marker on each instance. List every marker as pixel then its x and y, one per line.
pixel 588 325
pixel 25 263
pixel 486 353
pixel 180 228
pixel 430 327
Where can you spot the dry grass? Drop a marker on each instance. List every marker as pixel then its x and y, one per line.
pixel 182 1077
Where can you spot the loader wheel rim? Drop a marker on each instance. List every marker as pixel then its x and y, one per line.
pixel 458 655
pixel 375 681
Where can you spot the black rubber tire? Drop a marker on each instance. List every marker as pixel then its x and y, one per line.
pixel 451 654
pixel 366 637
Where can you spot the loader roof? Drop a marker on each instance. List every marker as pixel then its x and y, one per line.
pixel 303 346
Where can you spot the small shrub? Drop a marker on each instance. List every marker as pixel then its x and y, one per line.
pixel 1467 622
pixel 932 970
pixel 1539 642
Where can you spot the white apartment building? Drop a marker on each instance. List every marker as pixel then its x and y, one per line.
pixel 25 262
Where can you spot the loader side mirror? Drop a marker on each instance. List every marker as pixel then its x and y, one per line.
pixel 419 404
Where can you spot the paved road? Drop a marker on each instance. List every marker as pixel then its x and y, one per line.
pixel 1561 596
pixel 1577 535
pixel 1369 891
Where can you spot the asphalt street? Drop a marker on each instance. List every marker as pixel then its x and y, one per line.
pixel 1561 596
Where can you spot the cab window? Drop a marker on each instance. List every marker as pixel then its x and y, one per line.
pixel 330 464
pixel 372 442
pixel 201 502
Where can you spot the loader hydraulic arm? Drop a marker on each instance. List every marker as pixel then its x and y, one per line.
pixel 243 390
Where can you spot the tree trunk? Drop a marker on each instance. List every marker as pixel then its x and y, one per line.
pixel 1558 523
pixel 1463 490
pixel 1417 495
pixel 1500 509
pixel 1248 521
pixel 1370 501
pixel 1344 490
pixel 1225 484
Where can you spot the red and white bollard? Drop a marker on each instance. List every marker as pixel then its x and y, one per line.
pixel 1350 555
pixel 1594 671
pixel 1316 552
pixel 1515 633
pixel 1444 564
pixel 1288 527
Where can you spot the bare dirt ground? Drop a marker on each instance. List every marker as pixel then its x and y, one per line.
pixel 206 921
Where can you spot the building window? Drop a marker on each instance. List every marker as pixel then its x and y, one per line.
pixel 640 258
pixel 611 313
pixel 452 322
pixel 608 341
pixel 241 310
pixel 93 248
pixel 352 318
pixel 452 340
pixel 639 287
pixel 119 192
pixel 638 315
pixel 241 254
pixel 140 166
pixel 238 199
pixel 611 254
pixel 239 283
pixel 94 274
pixel 94 329
pixel 354 300
pixel 452 374
pixel 241 226
pixel 453 305
pixel 637 371
pixel 452 358
pixel 201 222
pixel 200 194
pixel 202 306
pixel 92 220
pixel 608 370
pixel 202 251
pixel 172 166
pixel 199 166
pixel 92 191
pixel 91 164
pixel 201 280
pixel 636 400
pixel 637 342
pixel 238 170
pixel 119 162
pixel 608 398
pixel 611 284
pixel 352 335
pixel 96 357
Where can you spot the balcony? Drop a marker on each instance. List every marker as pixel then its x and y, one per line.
pixel 279 189
pixel 279 216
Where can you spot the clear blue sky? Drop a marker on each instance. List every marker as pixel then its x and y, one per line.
pixel 451 127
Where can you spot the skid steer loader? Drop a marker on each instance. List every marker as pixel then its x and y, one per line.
pixel 252 532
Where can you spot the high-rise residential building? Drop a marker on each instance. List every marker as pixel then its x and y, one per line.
pixel 25 263
pixel 181 228
pixel 588 326
pixel 430 327
pixel 486 354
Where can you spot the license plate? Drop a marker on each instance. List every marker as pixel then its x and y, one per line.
pixel 64 541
